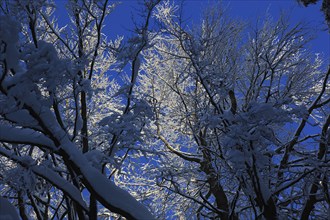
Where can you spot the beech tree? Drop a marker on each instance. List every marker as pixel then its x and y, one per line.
pixel 211 121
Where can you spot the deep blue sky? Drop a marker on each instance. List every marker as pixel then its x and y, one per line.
pixel 120 21
pixel 245 10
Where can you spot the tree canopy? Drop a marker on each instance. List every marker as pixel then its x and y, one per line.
pixel 219 120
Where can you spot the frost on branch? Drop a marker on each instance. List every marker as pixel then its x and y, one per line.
pixel 32 110
pixel 209 121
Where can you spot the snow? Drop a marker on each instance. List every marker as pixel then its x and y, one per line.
pixel 7 210
pixel 61 183
pixel 79 123
pixel 9 34
pixel 245 138
pixel 116 196
pixel 96 159
pixel 265 192
pixel 47 174
pixel 16 135
pixel 113 196
pixel 105 188
pixel 110 195
pixel 23 117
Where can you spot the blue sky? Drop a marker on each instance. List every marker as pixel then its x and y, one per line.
pixel 249 11
pixel 120 21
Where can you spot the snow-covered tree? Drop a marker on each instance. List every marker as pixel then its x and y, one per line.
pixel 245 132
pixel 214 121
pixel 56 153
